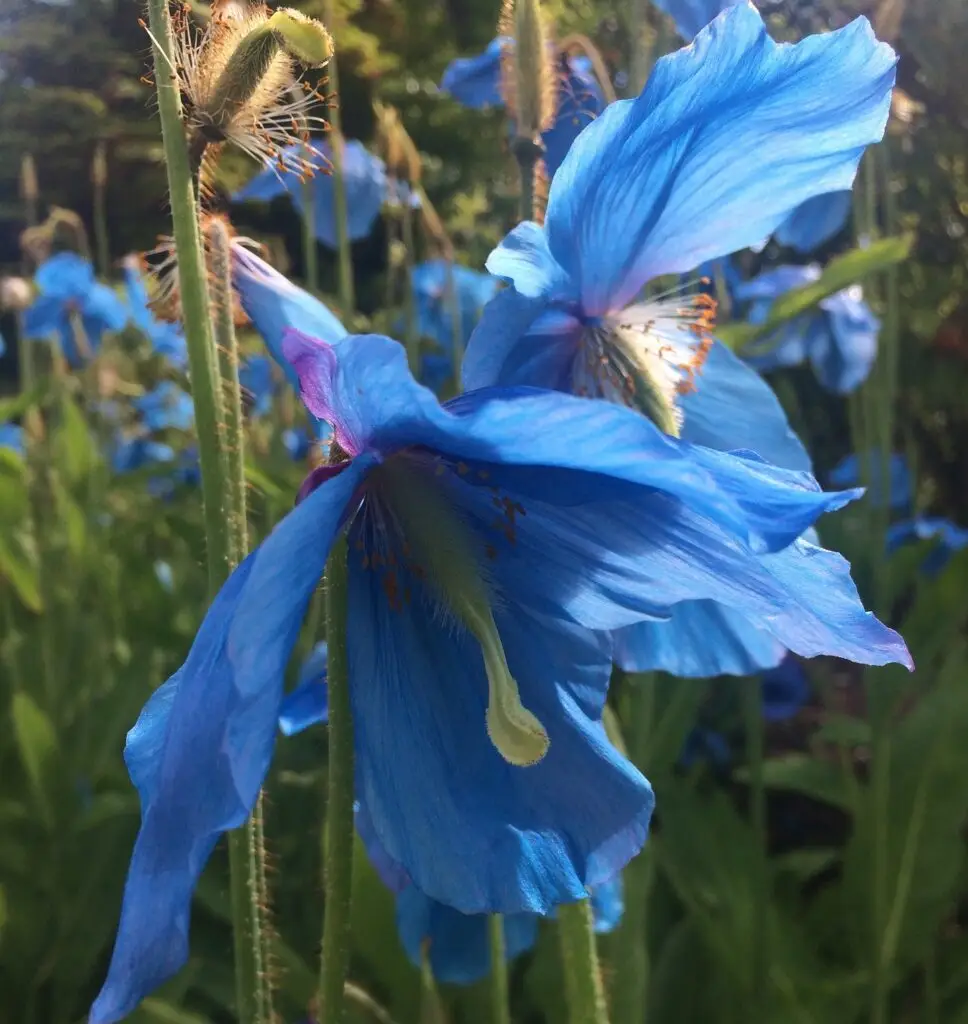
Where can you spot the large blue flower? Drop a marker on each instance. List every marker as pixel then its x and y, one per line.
pixel 166 339
pixel 726 136
pixel 815 222
pixel 476 82
pixel 839 336
pixel 949 538
pixel 691 16
pixel 430 282
pixel 166 406
pixel 491 542
pixel 364 176
pixel 73 306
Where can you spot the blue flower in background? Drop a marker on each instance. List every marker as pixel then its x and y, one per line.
pixel 184 472
pixel 164 575
pixel 705 746
pixel 838 336
pixel 166 339
pixel 364 176
pixel 166 406
pixel 900 486
pixel 258 387
pixel 492 542
pixel 476 82
pixel 691 16
pixel 785 690
pixel 630 204
pixel 815 222
pixel 72 305
pixel 308 704
pixel 134 453
pixel 949 539
pixel 430 283
pixel 3 344
pixel 12 438
pixel 297 442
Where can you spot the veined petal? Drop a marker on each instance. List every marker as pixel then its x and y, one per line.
pixel 815 222
pixel 728 135
pixel 524 259
pixel 701 639
pixel 202 745
pixel 691 16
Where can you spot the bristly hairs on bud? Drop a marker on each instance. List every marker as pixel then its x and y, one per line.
pixel 236 78
pixel 527 67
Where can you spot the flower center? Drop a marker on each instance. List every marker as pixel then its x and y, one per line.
pixel 441 550
pixel 648 355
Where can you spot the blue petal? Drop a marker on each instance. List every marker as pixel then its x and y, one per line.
pixel 137 292
pixel 102 305
pixel 202 745
pixel 728 135
pixel 273 304
pixel 843 362
pixel 166 406
pixel 948 536
pixel 776 282
pixel 431 282
pixel 470 829
pixel 704 745
pixel 691 16
pixel 733 407
pixel 815 222
pixel 12 438
pixel 476 81
pixel 608 905
pixel 785 690
pixel 459 944
pixel 308 704
pixel 524 259
pixel 900 488
pixel 580 100
pixel 702 639
pixel 65 275
pixel 255 379
pixel 789 345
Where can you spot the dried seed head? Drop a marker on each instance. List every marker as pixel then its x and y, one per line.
pixel 527 67
pixel 398 150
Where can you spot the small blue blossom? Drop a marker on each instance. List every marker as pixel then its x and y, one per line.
pixel 475 82
pixel 815 222
pixel 258 387
pixel 166 339
pixel 165 407
pixel 838 336
pixel 308 704
pixel 430 282
pixel 185 472
pixel 705 746
pixel 134 453
pixel 12 438
pixel 73 306
pixel 297 442
pixel 493 542
pixel 900 485
pixel 364 176
pixel 785 690
pixel 948 537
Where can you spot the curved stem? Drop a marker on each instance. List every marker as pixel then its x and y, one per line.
pixel 752 700
pixel 338 852
pixel 500 1005
pixel 583 977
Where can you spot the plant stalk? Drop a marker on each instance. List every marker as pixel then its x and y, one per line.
pixel 409 303
pixel 584 989
pixel 500 1004
pixel 752 700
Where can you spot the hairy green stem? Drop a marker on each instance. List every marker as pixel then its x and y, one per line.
pixel 752 700
pixel 310 252
pixel 338 852
pixel 527 152
pixel 500 1005
pixel 584 989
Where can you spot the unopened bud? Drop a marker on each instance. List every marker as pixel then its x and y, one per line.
pixel 99 166
pixel 305 40
pixel 528 67
pixel 29 190
pixel 15 294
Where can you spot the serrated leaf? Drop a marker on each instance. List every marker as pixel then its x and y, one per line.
pixel 37 746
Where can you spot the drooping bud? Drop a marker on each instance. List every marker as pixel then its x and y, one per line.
pixel 528 67
pixel 16 294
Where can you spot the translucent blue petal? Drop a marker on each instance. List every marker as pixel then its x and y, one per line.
pixel 308 703
pixel 900 485
pixel 470 829
pixel 580 100
pixel 733 407
pixel 702 639
pixel 12 438
pixel 815 222
pixel 728 135
pixel 524 259
pixel 459 944
pixel 200 750
pixel 845 359
pixel 608 905
pixel 431 282
pixel 273 304
pixel 785 690
pixel 776 282
pixel 255 379
pixel 476 81
pixel 282 177
pixel 789 345
pixel 691 16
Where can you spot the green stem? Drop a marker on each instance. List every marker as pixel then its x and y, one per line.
pixel 339 807
pixel 409 305
pixel 347 297
pixel 194 297
pixel 456 327
pixel 101 238
pixel 527 153
pixel 879 792
pixel 752 699
pixel 310 252
pixel 583 978
pixel 500 1004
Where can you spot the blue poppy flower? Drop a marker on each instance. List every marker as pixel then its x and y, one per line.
pixel 166 406
pixel 785 690
pixel 900 486
pixel 185 472
pixel 631 202
pixel 364 177
pixel 258 387
pixel 436 370
pixel 297 442
pixel 949 539
pixel 815 222
pixel 166 339
pixel 12 438
pixel 838 336
pixel 491 543
pixel 72 305
pixel 691 16
pixel 476 82
pixel 430 283
pixel 134 453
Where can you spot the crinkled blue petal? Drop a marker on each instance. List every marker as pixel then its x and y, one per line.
pixel 700 640
pixel 843 362
pixel 524 259
pixel 900 485
pixel 691 16
pixel 458 944
pixel 728 135
pixel 815 222
pixel 785 690
pixel 308 703
pixel 476 81
pixel 200 750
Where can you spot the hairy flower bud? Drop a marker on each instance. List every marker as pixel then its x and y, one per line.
pixel 99 166
pixel 527 67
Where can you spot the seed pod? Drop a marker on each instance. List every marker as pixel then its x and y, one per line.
pixel 528 67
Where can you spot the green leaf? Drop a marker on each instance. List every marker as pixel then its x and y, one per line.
pixel 14 408
pixel 37 745
pixel 19 568
pixel 74 449
pixel 840 273
pixel 800 773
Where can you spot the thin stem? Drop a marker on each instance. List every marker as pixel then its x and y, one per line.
pixel 347 296
pixel 101 239
pixel 527 152
pixel 339 808
pixel 583 978
pixel 310 253
pixel 456 327
pixel 500 1005
pixel 879 792
pixel 194 295
pixel 409 305
pixel 752 700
